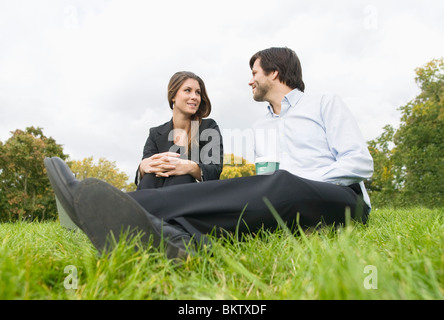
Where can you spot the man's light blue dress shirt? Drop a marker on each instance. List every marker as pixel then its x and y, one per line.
pixel 315 137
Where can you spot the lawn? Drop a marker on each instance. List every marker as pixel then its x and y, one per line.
pixel 397 255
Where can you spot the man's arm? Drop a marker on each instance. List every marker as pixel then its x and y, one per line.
pixel 353 160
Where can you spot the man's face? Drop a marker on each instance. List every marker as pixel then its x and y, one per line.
pixel 260 83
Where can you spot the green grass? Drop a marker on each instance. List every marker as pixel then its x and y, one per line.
pixel 401 251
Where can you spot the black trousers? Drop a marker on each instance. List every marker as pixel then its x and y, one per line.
pixel 238 204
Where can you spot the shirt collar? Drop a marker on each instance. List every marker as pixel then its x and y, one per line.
pixel 290 100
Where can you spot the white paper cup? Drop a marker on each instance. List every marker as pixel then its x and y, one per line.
pixel 266 165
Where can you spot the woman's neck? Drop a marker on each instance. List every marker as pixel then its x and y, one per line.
pixel 182 129
pixel 181 121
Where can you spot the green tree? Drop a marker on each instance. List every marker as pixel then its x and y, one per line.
pixel 420 139
pixel 25 191
pixel 104 170
pixel 382 186
pixel 235 167
pixel 409 161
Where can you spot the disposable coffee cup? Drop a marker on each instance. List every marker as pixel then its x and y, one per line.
pixel 266 165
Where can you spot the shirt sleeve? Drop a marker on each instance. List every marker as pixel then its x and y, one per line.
pixel 353 160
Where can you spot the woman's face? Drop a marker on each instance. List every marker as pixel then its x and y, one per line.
pixel 187 99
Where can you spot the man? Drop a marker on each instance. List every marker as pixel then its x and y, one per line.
pixel 322 153
pixel 318 138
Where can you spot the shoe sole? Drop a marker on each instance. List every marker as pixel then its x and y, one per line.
pixel 104 210
pixel 64 197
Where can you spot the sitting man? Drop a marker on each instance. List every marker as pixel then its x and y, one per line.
pixel 323 160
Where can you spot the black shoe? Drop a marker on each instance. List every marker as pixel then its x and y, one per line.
pixel 103 209
pixel 100 209
pixel 64 184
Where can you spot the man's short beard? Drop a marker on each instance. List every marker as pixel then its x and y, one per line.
pixel 261 92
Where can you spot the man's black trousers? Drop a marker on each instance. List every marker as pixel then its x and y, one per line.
pixel 239 204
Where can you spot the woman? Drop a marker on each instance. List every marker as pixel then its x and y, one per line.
pixel 187 148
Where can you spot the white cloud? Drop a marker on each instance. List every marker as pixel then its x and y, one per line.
pixel 94 73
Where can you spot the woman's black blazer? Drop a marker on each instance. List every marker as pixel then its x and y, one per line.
pixel 158 142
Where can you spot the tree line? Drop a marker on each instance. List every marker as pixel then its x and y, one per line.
pixel 25 191
pixel 408 161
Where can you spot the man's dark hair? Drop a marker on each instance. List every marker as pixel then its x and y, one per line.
pixel 283 60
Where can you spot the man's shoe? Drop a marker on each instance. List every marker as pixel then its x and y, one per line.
pixel 103 209
pixel 65 185
pixel 99 209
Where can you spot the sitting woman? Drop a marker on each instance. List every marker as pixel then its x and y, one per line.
pixel 188 148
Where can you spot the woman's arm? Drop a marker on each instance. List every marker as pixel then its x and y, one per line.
pixel 211 151
pixel 152 160
pixel 210 156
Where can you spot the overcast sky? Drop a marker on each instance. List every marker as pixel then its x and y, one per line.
pixel 94 73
